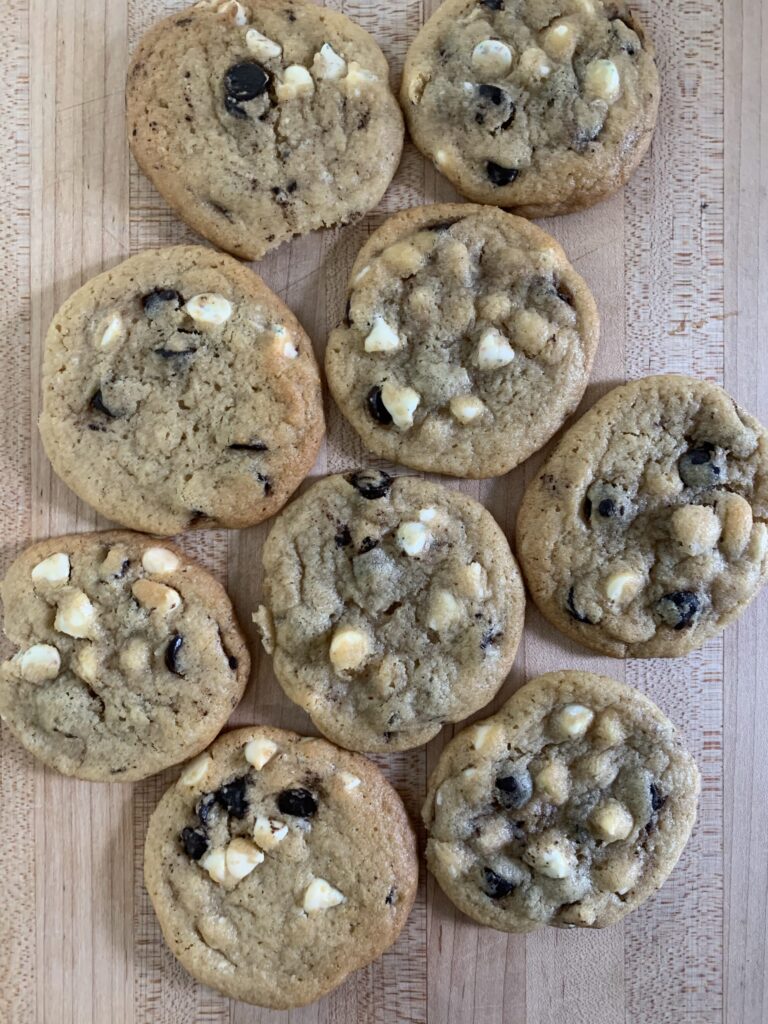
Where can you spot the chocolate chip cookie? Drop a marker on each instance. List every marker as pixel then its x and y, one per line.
pixel 277 865
pixel 178 391
pixel 130 658
pixel 261 121
pixel 391 606
pixel 544 106
pixel 570 807
pixel 468 340
pixel 644 534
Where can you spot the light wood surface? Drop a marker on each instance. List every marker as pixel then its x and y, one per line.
pixel 678 264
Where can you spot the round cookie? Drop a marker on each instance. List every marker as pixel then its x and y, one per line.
pixel 469 339
pixel 644 533
pixel 178 391
pixel 544 106
pixel 569 807
pixel 261 121
pixel 278 865
pixel 391 607
pixel 130 657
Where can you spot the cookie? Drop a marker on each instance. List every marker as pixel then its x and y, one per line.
pixel 391 607
pixel 569 807
pixel 644 533
pixel 261 121
pixel 130 657
pixel 178 392
pixel 278 865
pixel 544 106
pixel 469 339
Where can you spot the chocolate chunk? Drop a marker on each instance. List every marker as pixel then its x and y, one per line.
pixel 96 404
pixel 376 407
pixel 370 483
pixel 161 298
pixel 495 886
pixel 299 803
pixel 172 652
pixel 570 607
pixel 249 446
pixel 679 609
pixel 367 544
pixel 343 537
pixel 500 176
pixel 231 797
pixel 243 82
pixel 514 791
pixel 490 637
pixel 205 807
pixel 194 841
pixel 702 466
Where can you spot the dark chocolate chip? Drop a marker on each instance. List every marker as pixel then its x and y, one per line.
pixel 571 609
pixel 172 652
pixel 492 93
pixel 564 293
pixel 172 353
pixel 679 609
pixel 205 807
pixel 442 225
pixel 587 507
pixel 158 300
pixel 493 5
pixel 194 841
pixel 370 483
pixel 343 537
pixel 232 662
pixel 607 501
pixel 500 176
pixel 267 483
pixel 376 407
pixel 367 544
pixel 701 466
pixel 248 446
pixel 495 886
pixel 299 803
pixel 607 508
pixel 514 791
pixel 490 637
pixel 96 404
pixel 243 82
pixel 657 800
pixel 231 797
pixel 363 120
pixel 389 899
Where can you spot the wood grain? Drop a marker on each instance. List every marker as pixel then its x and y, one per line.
pixel 678 265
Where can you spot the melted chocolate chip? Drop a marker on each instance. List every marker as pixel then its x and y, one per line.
pixel 500 176
pixel 249 446
pixel 701 466
pixel 490 637
pixel 231 797
pixel 343 537
pixel 514 791
pixel 172 652
pixel 367 544
pixel 495 886
pixel 299 803
pixel 679 609
pixel 570 607
pixel 96 404
pixel 376 407
pixel 194 841
pixel 158 300
pixel 371 484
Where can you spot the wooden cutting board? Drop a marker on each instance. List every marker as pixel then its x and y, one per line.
pixel 675 264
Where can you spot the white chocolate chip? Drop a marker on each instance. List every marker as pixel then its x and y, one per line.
pixel 349 781
pixel 602 81
pixel 259 751
pixel 559 40
pixel 234 12
pixel 350 648
pixel 134 656
pixel 215 863
pixel 534 63
pixel 268 832
pixel 86 663
pixel 736 515
pixel 486 736
pixel 553 780
pixel 553 858
pixel 444 611
pixel 441 158
pixel 260 46
pixel 360 275
pixel 602 767
pixel 114 562
pixel 494 350
pixel 452 858
pixel 608 729
pixel 491 58
pixel 265 624
pixel 466 408
pixel 532 331
pixel 320 895
pixel 195 771
pixel 696 528
pixel 382 337
pixel 358 79
pixel 400 403
pixel 296 82
pixel 160 561
pixel 53 570
pixel 573 720
pixel 112 332
pixel 427 515
pixel 618 874
pixel 416 87
pixel 75 615
pixel 473 581
pixel 242 856
pixel 412 537
pixel 156 596
pixel 39 663
pixel 622 586
pixel 611 821
pixel 209 308
pixel 328 64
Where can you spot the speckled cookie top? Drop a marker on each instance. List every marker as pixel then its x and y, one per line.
pixel 644 534
pixel 391 607
pixel 569 807
pixel 277 865
pixel 130 659
pixel 178 391
pixel 541 105
pixel 468 340
pixel 264 120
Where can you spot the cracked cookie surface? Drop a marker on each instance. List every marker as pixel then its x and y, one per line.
pixel 469 339
pixel 277 865
pixel 544 106
pixel 644 533
pixel 391 606
pixel 261 121
pixel 130 657
pixel 179 391
pixel 569 807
